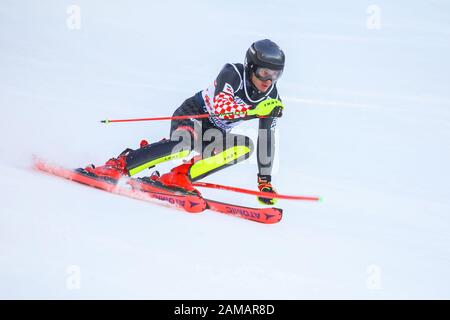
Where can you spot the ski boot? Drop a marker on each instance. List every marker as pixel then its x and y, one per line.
pixel 178 177
pixel 112 170
pixel 264 185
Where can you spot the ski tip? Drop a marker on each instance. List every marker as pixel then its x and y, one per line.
pixel 36 161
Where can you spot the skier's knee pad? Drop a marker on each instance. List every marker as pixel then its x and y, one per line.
pixel 242 143
pixel 231 155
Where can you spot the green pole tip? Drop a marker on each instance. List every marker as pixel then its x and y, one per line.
pixel 320 199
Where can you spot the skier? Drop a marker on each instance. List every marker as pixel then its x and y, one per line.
pixel 240 92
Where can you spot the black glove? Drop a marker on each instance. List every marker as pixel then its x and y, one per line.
pixel 276 112
pixel 264 185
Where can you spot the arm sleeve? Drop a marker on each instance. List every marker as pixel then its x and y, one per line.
pixel 227 83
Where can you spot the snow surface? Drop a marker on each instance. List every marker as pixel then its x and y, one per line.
pixel 366 126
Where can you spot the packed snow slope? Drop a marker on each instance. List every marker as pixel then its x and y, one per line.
pixel 366 126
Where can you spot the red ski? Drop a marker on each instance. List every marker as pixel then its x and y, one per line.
pixel 263 215
pixel 148 190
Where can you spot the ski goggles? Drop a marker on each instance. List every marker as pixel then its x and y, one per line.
pixel 265 74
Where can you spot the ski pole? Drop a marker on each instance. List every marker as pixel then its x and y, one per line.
pixel 193 116
pixel 256 193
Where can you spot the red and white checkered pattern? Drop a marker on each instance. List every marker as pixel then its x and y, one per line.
pixel 224 103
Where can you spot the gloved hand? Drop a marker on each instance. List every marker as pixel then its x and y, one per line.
pixel 264 185
pixel 268 107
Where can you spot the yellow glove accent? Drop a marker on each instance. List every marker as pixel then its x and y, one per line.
pixel 265 107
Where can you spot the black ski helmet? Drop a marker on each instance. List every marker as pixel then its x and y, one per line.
pixel 266 54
